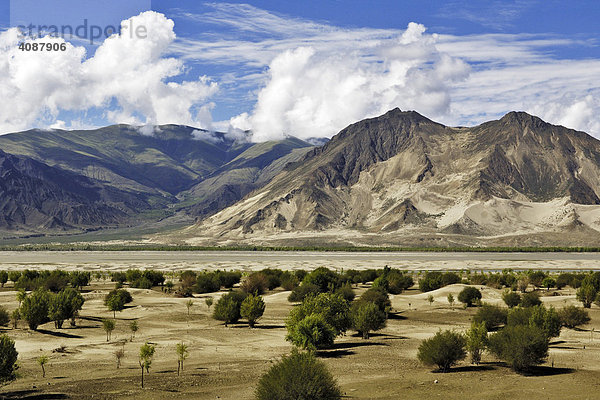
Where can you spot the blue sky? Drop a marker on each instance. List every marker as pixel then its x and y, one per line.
pixel 309 68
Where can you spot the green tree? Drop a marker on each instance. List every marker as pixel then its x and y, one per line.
pixel 108 325
pixel 334 309
pixel 3 278
pixel 511 298
pixel 572 316
pixel 522 346
pixel 548 282
pixel 367 317
pixel 530 299
pixel 450 299
pixel 189 304
pixel 546 319
pixel 252 308
pixel 209 302
pixel 430 299
pixel 469 295
pixel 444 349
pixel 8 359
pixel 133 327
pixel 311 333
pixel 4 316
pixel 491 316
pixel 65 305
pixel 119 355
pixel 476 340
pixel 586 294
pixel 298 376
pixel 182 353
pixel 228 307
pixel 114 304
pixel 145 358
pixel 325 279
pixel 34 308
pixel 42 361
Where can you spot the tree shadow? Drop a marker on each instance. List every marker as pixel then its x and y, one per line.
pixel 543 370
pixel 32 395
pixel 269 326
pixel 469 368
pixel 342 345
pixel 333 353
pixel 59 334
pixel 397 316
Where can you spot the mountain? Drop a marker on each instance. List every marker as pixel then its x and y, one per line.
pixel 33 194
pixel 402 179
pixel 173 171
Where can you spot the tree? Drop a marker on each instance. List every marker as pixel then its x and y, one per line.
pixel 546 319
pixel 119 355
pixel 182 353
pixel 42 361
pixel 325 279
pixel 511 298
pixel 522 346
pixel 311 333
pixel 15 317
pixel 536 278
pixel 491 316
pixel 430 299
pixel 21 294
pixel 366 317
pixel 444 349
pixel 299 293
pixel 3 278
pixel 548 282
pixel 334 309
pixel 255 283
pixel 4 317
pixel 476 340
pixel 298 376
pixel 133 327
pixel 209 302
pixel 114 304
pixel 8 359
pixel 252 308
pixel 379 297
pixel 469 295
pixel 530 299
pixel 34 308
pixel 572 316
pixel 145 360
pixel 189 305
pixel 450 299
pixel 79 279
pixel 65 305
pixel 228 307
pixel 586 294
pixel 108 325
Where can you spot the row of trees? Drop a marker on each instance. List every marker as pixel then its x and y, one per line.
pixel 55 280
pixel 41 306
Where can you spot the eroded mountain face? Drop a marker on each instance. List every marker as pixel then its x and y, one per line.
pixel 402 173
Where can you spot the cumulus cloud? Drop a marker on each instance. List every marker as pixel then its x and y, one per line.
pixel 128 76
pixel 315 94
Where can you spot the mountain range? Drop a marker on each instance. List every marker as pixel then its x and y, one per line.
pixel 397 179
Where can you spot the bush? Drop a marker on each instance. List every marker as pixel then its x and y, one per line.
pixel 366 317
pixel 469 295
pixel 79 279
pixel 273 277
pixel 450 278
pixel 399 282
pixel 227 279
pixel 572 316
pixel 3 278
pixel 368 275
pixel 206 282
pixel 65 305
pixel 444 349
pixel 311 333
pixel 119 277
pixel 116 299
pixel 228 307
pixel 379 297
pixel 255 283
pixel 325 279
pixel 289 281
pixel 4 316
pixel 536 278
pixel 476 341
pixel 298 376
pixel 346 292
pixel 8 359
pixel 302 291
pixel 431 281
pixel 252 308
pixel 586 294
pixel 34 308
pixel 490 316
pixel 518 316
pixel 530 299
pixel 334 309
pixel 548 282
pixel 522 346
pixel 546 319
pixel 511 298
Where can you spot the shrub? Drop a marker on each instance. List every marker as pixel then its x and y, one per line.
pixel 530 299
pixel 511 298
pixel 142 283
pixel 469 295
pixel 368 275
pixel 450 278
pixel 3 277
pixel 490 316
pixel 298 376
pixel 8 359
pixel 586 294
pixel 255 283
pixel 379 297
pixel 311 333
pixel 228 307
pixel 545 319
pixel 444 349
pixel 79 279
pixel 119 277
pixel 334 309
pixel 4 316
pixel 116 299
pixel 563 280
pixel 522 346
pixel 366 317
pixel 548 282
pixel 431 281
pixel 227 279
pixel 399 282
pixel 34 308
pixel 205 283
pixel 273 277
pixel 476 341
pixel 572 316
pixel 325 279
pixel 289 281
pixel 346 292
pixel 536 278
pixel 14 276
pixel 252 308
pixel 302 291
pixel 518 316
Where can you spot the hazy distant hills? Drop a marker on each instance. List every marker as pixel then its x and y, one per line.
pixel 56 180
pixel 403 179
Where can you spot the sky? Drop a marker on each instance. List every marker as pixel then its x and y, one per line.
pixel 306 69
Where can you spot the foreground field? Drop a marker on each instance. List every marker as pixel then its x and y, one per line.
pixel 226 362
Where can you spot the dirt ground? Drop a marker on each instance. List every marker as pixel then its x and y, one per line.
pixel 226 362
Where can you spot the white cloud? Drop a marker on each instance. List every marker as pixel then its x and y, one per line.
pixel 127 70
pixel 311 93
